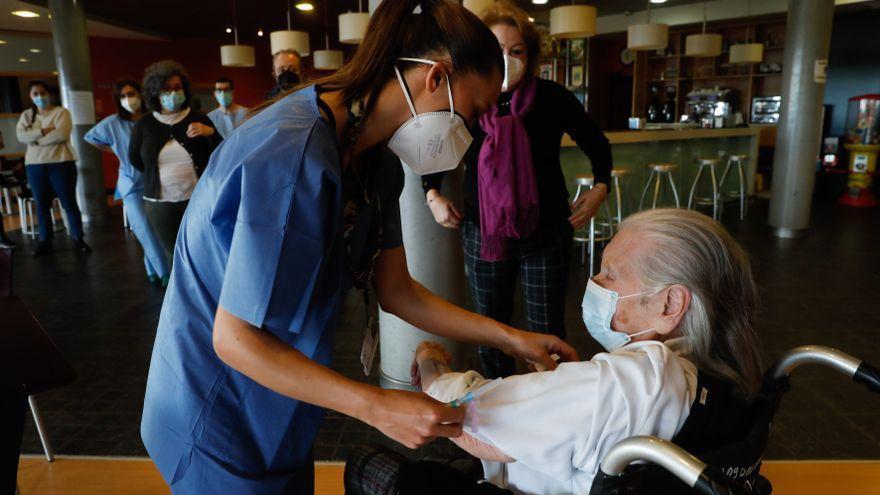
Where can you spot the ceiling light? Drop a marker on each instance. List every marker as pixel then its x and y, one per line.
pixel 531 19
pixel 34 50
pixel 260 32
pixel 25 13
pixel 228 30
pixel 22 60
pixel 658 1
pixel 305 6
pixel 2 42
pixel 539 2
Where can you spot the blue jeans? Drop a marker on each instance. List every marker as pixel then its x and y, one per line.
pixel 51 180
pixel 154 254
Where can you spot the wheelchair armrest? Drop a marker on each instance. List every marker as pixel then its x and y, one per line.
pixel 869 375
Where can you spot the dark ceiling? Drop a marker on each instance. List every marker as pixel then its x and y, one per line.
pixel 179 18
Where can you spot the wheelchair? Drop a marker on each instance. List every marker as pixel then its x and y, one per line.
pixel 666 468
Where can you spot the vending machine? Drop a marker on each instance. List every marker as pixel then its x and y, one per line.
pixel 862 141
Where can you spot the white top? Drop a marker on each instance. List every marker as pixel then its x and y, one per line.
pixel 54 147
pixel 227 122
pixel 177 173
pixel 559 425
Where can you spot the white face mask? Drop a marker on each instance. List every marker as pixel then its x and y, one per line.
pixel 599 306
pixel 430 142
pixel 514 69
pixel 131 104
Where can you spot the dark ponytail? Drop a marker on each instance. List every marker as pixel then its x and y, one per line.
pixel 394 31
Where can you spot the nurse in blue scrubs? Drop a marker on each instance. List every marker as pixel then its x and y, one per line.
pixel 113 134
pixel 298 205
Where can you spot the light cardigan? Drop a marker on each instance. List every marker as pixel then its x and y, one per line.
pixel 54 147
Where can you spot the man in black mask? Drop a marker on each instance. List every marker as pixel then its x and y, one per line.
pixel 286 69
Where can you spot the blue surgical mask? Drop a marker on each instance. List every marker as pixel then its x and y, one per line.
pixel 171 101
pixel 224 98
pixel 599 306
pixel 41 102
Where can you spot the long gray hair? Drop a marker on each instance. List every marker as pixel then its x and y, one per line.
pixel 692 250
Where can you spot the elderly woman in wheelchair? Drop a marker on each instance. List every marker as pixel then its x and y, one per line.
pixel 674 305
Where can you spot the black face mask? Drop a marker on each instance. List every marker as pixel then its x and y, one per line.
pixel 288 80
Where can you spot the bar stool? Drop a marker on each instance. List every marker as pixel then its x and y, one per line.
pixel 738 161
pixel 658 171
pixel 28 219
pixel 617 176
pixel 693 200
pixel 591 235
pixel 6 200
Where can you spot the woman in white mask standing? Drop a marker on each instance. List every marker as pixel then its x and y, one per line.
pixel 50 164
pixel 517 220
pixel 295 208
pixel 113 135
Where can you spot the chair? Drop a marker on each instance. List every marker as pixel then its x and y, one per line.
pixel 594 232
pixel 739 162
pixel 658 172
pixel 693 200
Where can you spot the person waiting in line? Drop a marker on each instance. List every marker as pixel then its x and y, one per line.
pixel 287 72
pixel 50 164
pixel 170 146
pixel 675 307
pixel 228 113
pixel 295 210
pixel 517 220
pixel 113 134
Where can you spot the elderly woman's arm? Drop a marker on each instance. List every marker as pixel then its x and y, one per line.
pixel 432 362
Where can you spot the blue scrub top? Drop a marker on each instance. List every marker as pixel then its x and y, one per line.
pixel 262 236
pixel 226 123
pixel 115 133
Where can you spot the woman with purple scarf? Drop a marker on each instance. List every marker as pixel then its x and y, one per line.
pixel 517 220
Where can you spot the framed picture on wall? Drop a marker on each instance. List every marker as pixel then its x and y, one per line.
pixel 577 51
pixel 577 75
pixel 545 71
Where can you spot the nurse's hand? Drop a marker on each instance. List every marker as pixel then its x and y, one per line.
pixel 445 213
pixel 536 348
pixel 411 418
pixel 587 205
pixel 197 129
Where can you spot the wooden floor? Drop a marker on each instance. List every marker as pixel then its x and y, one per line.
pixel 104 476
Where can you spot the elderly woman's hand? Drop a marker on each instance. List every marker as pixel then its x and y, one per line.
pixel 537 348
pixel 587 205
pixel 197 129
pixel 444 211
pixel 428 350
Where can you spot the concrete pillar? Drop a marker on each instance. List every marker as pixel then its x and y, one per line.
pixel 807 41
pixel 71 44
pixel 436 260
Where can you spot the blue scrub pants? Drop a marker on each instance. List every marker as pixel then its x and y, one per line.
pixel 51 180
pixel 154 255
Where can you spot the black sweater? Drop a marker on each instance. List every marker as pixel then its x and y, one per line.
pixel 149 136
pixel 555 110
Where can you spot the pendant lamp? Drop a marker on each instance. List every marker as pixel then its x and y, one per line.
pixel 573 21
pixel 353 25
pixel 477 6
pixel 648 36
pixel 703 45
pixel 747 53
pixel 373 5
pixel 236 55
pixel 327 59
pixel 289 39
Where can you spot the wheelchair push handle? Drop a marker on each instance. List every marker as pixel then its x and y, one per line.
pixel 853 367
pixel 671 457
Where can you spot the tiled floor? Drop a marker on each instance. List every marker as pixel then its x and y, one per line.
pixel 823 289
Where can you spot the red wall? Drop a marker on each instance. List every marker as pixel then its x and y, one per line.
pixel 115 58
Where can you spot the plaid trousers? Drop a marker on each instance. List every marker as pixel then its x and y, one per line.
pixel 542 261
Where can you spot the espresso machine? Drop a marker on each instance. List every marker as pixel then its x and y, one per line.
pixel 710 108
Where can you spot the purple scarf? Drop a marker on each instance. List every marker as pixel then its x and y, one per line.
pixel 506 184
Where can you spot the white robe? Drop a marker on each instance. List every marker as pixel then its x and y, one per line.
pixel 559 425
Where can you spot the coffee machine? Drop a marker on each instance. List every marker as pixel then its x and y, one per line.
pixel 710 107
